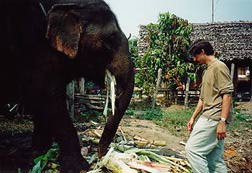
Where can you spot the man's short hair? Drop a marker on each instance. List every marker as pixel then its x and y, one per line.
pixel 200 44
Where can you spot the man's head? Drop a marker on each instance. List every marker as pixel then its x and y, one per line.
pixel 200 50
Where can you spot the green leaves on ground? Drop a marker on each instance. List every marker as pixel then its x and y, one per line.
pixel 47 162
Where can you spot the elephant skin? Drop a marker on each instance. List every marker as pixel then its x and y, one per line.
pixel 44 45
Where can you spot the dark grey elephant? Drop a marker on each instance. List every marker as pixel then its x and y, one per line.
pixel 47 43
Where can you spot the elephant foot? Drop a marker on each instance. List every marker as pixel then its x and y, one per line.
pixel 73 163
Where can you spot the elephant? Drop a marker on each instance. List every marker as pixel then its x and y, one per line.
pixel 44 45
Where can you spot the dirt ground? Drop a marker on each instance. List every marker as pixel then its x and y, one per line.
pixel 238 147
pixel 150 131
pixel 15 142
pixel 238 144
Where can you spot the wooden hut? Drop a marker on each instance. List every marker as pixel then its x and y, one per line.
pixel 233 44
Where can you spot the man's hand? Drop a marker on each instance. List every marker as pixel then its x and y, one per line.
pixel 190 124
pixel 195 115
pixel 221 130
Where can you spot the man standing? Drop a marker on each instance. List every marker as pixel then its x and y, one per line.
pixel 205 146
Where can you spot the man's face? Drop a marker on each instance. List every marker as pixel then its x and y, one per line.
pixel 200 58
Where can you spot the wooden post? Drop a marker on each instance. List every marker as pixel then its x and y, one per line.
pixel 157 87
pixel 187 92
pixel 70 98
pixel 82 86
pixel 232 79
pixel 232 71
pixel 250 68
pixel 232 75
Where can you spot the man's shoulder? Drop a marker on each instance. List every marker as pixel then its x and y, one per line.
pixel 220 65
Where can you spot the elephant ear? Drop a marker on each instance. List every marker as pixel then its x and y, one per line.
pixel 64 30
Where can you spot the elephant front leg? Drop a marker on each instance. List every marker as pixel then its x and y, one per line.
pixel 65 135
pixel 42 137
pixel 62 131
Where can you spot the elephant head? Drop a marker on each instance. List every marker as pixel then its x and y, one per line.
pixel 88 34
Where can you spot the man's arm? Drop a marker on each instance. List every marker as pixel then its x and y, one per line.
pixel 195 114
pixel 226 106
pixel 225 111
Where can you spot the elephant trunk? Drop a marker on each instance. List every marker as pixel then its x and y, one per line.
pixel 124 93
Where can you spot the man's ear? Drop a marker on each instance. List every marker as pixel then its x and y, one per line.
pixel 64 30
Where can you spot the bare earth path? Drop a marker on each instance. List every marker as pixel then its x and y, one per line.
pixel 238 144
pixel 152 132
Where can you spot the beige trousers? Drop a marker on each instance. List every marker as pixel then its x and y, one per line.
pixel 204 151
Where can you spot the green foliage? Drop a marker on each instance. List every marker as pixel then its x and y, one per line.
pixel 90 115
pixel 169 41
pixel 153 114
pixel 130 112
pixel 240 117
pixel 133 48
pixel 240 121
pixel 48 161
pixel 136 59
pixel 176 121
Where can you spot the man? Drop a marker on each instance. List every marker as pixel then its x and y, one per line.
pixel 205 146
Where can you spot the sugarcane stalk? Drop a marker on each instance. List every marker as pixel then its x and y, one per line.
pixel 157 157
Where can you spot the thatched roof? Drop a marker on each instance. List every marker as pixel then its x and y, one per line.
pixel 232 40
